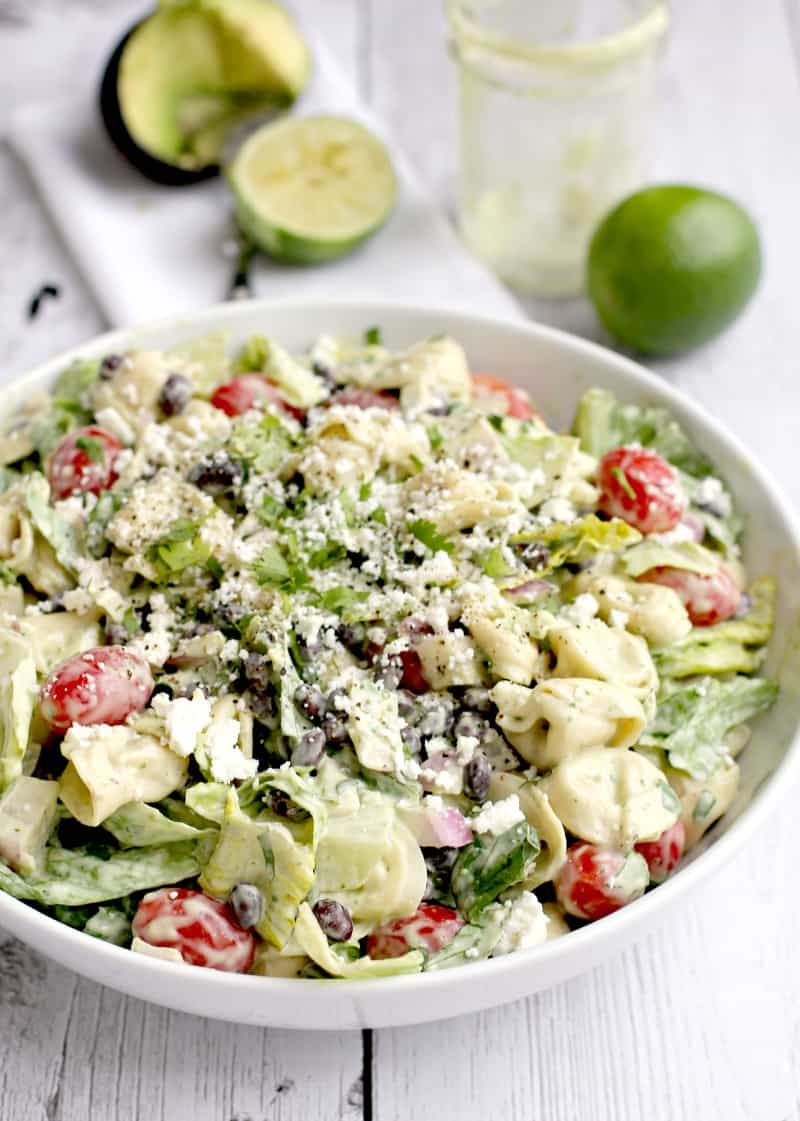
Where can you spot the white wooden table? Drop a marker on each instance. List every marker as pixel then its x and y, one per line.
pixel 700 1022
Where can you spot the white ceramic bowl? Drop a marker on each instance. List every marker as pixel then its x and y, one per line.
pixel 556 368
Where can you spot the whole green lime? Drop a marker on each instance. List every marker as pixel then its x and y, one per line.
pixel 671 266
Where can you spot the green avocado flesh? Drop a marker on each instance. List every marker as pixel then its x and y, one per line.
pixel 194 69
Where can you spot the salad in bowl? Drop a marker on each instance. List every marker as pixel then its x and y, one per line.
pixel 344 664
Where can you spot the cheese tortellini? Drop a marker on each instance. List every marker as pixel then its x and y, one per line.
pixel 564 715
pixel 536 807
pixel 704 801
pixel 108 766
pixel 651 610
pixel 611 796
pixel 503 632
pixel 593 649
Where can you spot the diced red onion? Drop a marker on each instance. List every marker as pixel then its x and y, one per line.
pixel 531 589
pixel 692 522
pixel 449 828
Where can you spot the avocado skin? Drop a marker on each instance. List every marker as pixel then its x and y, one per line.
pixel 159 171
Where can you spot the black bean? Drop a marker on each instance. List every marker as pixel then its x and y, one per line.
pixel 411 739
pixel 440 859
pixel 334 919
pixel 309 749
pixel 311 701
pixel 335 730
pixel 281 804
pixel 216 474
pixel 533 554
pixel 324 371
pixel 477 775
pixel 469 724
pixel 353 636
pixel 176 393
pixel 109 366
pixel 248 905
pixel 258 670
pixel 477 699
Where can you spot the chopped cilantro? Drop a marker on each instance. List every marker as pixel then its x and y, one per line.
pixel 416 462
pixel 435 437
pixel 93 447
pixel 496 422
pixel 373 336
pixel 271 512
pixel 340 600
pixel 379 515
pixel 428 534
pixel 365 491
pixel 329 554
pixel 494 563
pixel 179 548
pixel 275 568
pixel 623 481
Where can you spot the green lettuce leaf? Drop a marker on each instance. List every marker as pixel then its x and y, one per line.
pixel 136 825
pixel 473 941
pixel 687 555
pixel 72 383
pixel 55 529
pixel 74 877
pixel 111 925
pixel 735 646
pixel 570 542
pixel 491 865
pixel 691 722
pixel 18 695
pixel 602 423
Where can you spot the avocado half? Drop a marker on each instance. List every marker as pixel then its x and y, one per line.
pixel 180 80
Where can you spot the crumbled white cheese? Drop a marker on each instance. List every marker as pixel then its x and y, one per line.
pixel 466 746
pixel 448 780
pixel 682 532
pixel 155 644
pixel 184 720
pixel 618 618
pixel 524 924
pixel 557 510
pixel 711 493
pixel 497 817
pixel 227 761
pixel 80 735
pixel 582 610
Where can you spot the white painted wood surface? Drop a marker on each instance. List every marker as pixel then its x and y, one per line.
pixel 700 1022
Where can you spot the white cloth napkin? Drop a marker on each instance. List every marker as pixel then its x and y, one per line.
pixel 148 251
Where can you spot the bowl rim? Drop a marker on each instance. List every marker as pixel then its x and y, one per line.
pixel 18 917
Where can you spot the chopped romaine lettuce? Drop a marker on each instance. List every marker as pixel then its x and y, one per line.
pixel 262 444
pixel 691 722
pixel 683 554
pixel 136 825
pixel 55 529
pixel 571 542
pixel 473 941
pixel 17 698
pixel 602 423
pixel 735 646
pixel 72 383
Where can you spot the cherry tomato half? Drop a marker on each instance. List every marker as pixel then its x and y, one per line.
pixel 101 686
pixel 203 929
pixel 594 881
pixel 664 855
pixel 512 400
pixel 83 463
pixel 243 393
pixel 707 599
pixel 430 928
pixel 640 487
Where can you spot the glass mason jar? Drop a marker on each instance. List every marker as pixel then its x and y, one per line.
pixel 555 100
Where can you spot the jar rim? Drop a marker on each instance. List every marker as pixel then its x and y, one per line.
pixel 604 51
